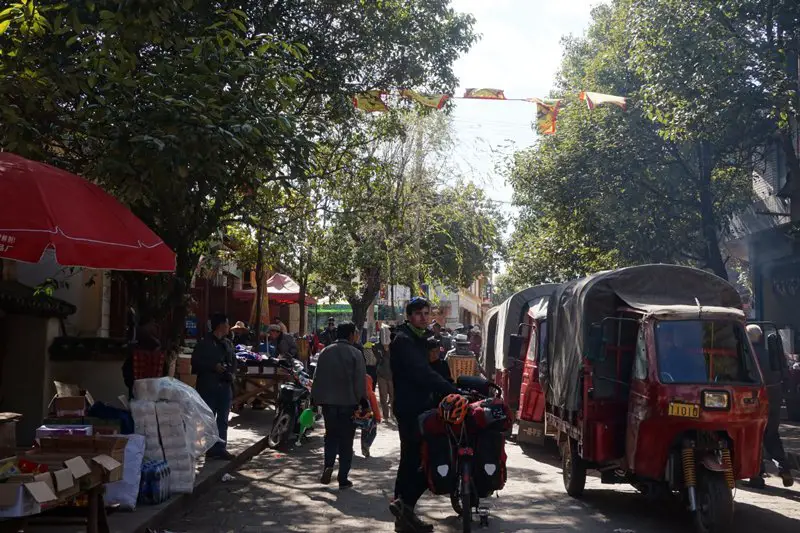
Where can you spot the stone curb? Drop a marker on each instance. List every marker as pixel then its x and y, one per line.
pixel 181 503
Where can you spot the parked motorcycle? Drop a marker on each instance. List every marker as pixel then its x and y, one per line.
pixel 294 416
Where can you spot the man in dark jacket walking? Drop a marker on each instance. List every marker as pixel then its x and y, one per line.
pixel 340 383
pixel 415 384
pixel 775 370
pixel 214 362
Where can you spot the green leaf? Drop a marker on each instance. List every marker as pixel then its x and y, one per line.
pixel 106 14
pixel 4 26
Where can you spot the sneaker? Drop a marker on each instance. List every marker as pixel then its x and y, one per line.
pixel 787 478
pixel 346 484
pixel 365 451
pixel 325 479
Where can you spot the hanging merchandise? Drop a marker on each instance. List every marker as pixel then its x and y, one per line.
pixel 595 99
pixel 428 100
pixel 546 114
pixel 485 94
pixel 370 101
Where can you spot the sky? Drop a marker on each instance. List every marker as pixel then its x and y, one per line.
pixel 520 53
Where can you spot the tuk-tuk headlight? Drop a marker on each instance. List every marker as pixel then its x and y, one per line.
pixel 716 399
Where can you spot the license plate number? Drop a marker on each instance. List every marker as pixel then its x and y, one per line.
pixel 686 410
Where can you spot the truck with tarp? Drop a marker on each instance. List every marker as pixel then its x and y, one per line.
pixel 650 379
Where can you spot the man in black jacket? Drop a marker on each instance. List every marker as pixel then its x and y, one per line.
pixel 415 383
pixel 214 361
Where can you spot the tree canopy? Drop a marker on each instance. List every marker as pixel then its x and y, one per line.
pixel 186 109
pixel 612 187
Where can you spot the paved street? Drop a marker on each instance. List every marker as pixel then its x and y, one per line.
pixel 280 493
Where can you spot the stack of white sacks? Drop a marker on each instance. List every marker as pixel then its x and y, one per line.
pixel 177 425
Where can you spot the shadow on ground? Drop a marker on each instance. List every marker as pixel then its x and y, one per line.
pixel 279 492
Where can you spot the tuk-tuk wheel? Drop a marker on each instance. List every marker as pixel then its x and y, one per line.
pixel 714 503
pixel 573 469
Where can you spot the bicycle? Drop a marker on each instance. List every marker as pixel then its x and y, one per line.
pixel 465 495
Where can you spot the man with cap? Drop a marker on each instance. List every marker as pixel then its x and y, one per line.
pixel 241 335
pixel 285 345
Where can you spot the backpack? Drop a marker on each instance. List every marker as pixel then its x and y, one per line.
pixel 489 463
pixel 490 414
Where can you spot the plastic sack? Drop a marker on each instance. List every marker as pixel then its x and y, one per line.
pixel 125 492
pixel 201 424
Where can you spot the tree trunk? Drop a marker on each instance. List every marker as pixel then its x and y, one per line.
pixel 712 252
pixel 256 325
pixel 362 302
pixel 301 303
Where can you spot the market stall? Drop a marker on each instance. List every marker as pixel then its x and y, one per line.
pixel 86 454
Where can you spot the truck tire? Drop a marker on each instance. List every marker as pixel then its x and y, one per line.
pixel 573 469
pixel 714 512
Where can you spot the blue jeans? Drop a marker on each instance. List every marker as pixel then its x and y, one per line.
pixel 219 401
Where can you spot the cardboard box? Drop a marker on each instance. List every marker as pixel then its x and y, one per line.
pixel 70 400
pixel 184 365
pixel 104 456
pixel 8 429
pixel 99 425
pixel 59 430
pixel 24 496
pixel 189 379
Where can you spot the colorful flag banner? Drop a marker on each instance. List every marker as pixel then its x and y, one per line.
pixel 546 114
pixel 435 101
pixel 595 99
pixel 370 101
pixel 485 94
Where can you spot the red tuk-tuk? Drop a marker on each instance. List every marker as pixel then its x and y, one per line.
pixel 650 379
pixel 507 328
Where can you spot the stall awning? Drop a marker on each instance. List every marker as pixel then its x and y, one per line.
pixel 281 288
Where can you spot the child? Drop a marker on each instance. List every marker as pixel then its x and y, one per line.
pixel 367 417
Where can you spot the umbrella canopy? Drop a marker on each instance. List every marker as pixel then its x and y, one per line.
pixel 47 208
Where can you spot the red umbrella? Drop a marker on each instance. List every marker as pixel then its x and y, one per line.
pixel 47 208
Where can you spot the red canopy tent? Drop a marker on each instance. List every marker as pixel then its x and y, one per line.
pixel 45 208
pixel 281 290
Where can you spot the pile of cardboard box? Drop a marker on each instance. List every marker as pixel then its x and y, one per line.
pixel 57 471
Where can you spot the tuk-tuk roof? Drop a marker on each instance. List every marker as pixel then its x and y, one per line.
pixel 488 334
pixel 689 312
pixel 509 316
pixel 648 288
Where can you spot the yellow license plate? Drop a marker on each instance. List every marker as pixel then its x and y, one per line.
pixel 686 410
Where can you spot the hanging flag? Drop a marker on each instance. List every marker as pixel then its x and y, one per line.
pixel 595 99
pixel 370 101
pixel 485 94
pixel 435 101
pixel 546 116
